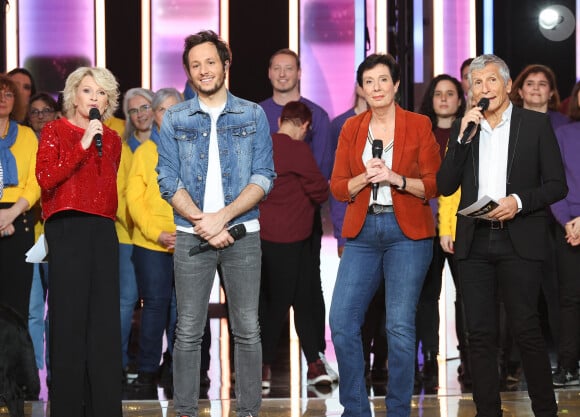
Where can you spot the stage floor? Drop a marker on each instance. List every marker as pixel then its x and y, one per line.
pixel 289 396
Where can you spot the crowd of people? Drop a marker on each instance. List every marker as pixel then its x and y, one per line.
pixel 143 213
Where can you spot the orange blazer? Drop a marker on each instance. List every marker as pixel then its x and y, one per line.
pixel 415 155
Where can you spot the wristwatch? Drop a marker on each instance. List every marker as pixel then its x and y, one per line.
pixel 404 184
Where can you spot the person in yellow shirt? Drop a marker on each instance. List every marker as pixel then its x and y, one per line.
pixel 135 129
pixel 153 243
pixel 18 146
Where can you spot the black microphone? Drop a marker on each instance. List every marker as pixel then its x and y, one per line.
pixel 377 153
pixel 94 114
pixel 237 232
pixel 484 104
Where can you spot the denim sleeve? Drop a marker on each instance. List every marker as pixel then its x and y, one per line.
pixel 262 159
pixel 168 165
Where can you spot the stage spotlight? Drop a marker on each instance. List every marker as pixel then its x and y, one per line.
pixel 549 18
pixel 556 23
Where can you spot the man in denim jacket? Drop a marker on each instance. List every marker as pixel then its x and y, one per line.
pixel 215 165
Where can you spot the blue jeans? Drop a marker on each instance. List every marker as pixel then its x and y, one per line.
pixel 194 277
pixel 380 252
pixel 154 271
pixel 129 296
pixel 37 324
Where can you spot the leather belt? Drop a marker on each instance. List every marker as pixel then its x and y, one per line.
pixel 379 208
pixel 491 224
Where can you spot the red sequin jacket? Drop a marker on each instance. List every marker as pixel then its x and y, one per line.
pixel 72 178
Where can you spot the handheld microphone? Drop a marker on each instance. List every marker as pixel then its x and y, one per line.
pixel 484 104
pixel 94 114
pixel 377 153
pixel 237 232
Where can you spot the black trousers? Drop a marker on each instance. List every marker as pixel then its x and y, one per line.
pixel 318 306
pixel 287 274
pixel 15 272
pixel 568 260
pixel 493 265
pixel 85 330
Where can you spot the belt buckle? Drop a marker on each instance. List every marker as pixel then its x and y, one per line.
pixel 496 225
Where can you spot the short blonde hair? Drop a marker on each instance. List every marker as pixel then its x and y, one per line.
pixel 103 77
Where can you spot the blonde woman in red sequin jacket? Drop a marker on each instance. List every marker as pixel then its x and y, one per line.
pixel 79 202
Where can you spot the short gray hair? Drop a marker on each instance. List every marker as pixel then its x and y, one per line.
pixel 164 93
pixel 133 92
pixel 481 61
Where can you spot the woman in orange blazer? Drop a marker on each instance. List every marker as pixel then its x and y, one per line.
pixel 389 229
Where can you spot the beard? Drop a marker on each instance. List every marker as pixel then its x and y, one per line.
pixel 210 90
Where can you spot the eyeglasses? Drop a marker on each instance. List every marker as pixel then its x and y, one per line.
pixel 143 109
pixel 44 112
pixel 8 95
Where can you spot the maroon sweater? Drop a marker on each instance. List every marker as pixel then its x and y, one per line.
pixel 287 214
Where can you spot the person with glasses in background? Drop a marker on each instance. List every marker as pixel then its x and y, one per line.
pixel 138 122
pixel 42 109
pixel 153 244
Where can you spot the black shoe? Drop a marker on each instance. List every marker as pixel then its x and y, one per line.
pixel 430 368
pixel 565 377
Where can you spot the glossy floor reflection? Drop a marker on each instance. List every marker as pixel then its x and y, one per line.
pixel 291 398
pixel 515 404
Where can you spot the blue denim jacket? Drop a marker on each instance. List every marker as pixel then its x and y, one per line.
pixel 245 152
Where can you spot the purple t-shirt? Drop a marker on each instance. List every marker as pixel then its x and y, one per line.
pixel 569 141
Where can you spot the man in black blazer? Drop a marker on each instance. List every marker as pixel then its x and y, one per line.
pixel 513 157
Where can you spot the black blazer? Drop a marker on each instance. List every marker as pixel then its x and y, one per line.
pixel 534 172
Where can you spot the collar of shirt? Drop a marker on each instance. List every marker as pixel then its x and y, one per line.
pixel 505 118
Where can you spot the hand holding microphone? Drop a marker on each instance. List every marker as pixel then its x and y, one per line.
pixel 377 150
pixel 94 114
pixel 483 104
pixel 237 232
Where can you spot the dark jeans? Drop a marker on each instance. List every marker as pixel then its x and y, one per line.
pixel 494 265
pixel 154 271
pixel 568 258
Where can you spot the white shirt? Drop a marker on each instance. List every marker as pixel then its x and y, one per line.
pixel 493 155
pixel 213 198
pixel 493 158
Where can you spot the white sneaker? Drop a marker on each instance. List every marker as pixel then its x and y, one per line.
pixel 331 372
